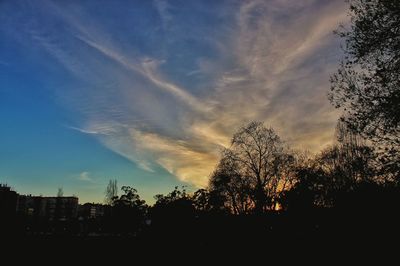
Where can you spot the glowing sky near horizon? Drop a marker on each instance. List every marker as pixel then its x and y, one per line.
pixel 149 92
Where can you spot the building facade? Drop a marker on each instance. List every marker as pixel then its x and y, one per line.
pixel 50 208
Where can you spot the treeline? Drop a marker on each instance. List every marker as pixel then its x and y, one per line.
pixel 260 179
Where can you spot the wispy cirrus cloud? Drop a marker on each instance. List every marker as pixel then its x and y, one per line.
pixel 171 91
pixel 285 54
pixel 85 131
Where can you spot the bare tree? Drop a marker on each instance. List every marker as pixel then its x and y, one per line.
pixel 254 170
pixel 111 192
pixel 231 187
pixel 350 160
pixel 356 155
pixel 60 192
pixel 262 159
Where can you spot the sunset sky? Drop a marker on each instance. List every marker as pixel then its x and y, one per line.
pixel 149 92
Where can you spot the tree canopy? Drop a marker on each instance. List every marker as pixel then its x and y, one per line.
pixel 253 171
pixel 367 84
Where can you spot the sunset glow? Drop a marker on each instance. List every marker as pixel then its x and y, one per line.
pixel 149 92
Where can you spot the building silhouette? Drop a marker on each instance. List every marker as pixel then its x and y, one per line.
pixel 8 201
pixel 48 208
pixel 93 210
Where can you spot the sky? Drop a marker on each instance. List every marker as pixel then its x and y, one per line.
pixel 150 92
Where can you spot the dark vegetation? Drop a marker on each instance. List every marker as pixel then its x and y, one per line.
pixel 264 196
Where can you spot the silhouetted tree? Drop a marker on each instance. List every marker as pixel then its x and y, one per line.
pixel 130 198
pixel 171 197
pixel 367 84
pixel 349 161
pixel 201 199
pixel 254 170
pixel 60 192
pixel 357 158
pixel 336 170
pixel 205 201
pixel 111 192
pixel 177 202
pixel 173 213
pixel 309 191
pixel 128 210
pixel 233 190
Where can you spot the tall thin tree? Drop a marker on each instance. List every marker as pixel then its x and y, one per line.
pixel 111 192
pixel 60 192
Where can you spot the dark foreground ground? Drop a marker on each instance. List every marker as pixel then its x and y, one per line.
pixel 248 241
pixel 314 249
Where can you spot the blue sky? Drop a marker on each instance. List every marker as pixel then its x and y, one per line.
pixel 149 92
